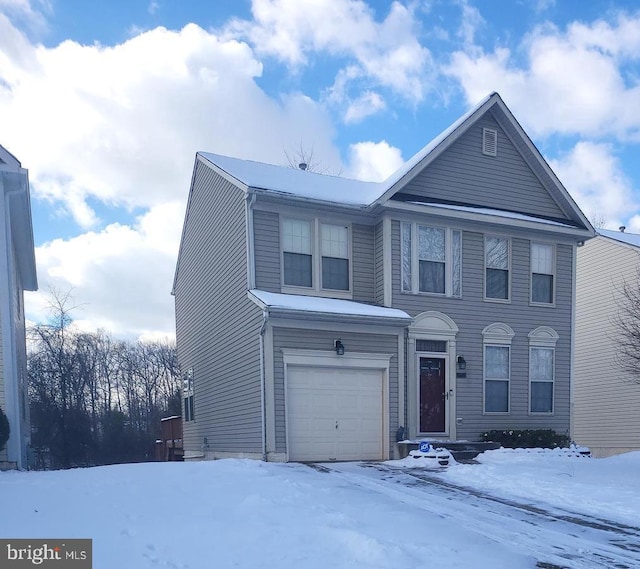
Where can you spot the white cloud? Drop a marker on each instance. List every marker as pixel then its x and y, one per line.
pixel 386 53
pixel 373 161
pixel 573 80
pixel 120 278
pixel 594 178
pixel 369 103
pixel 122 124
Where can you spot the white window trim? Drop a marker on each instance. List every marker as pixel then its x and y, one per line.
pixel 496 335
pixel 543 337
pixel 553 274
pixel 316 259
pixel 415 260
pixel 188 394
pixel 484 272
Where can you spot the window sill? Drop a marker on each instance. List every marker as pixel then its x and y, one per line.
pixel 542 304
pixel 493 413
pixel 429 294
pixel 497 300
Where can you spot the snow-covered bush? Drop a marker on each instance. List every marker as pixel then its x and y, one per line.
pixel 527 438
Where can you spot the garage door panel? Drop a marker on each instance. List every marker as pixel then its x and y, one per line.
pixel 319 398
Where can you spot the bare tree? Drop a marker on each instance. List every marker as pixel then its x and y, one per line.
pixel 598 219
pixel 303 158
pixel 627 322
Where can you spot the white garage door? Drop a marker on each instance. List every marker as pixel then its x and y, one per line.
pixel 334 414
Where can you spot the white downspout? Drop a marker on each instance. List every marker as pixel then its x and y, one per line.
pixel 263 388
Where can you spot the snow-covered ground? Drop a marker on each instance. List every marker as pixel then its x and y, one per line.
pixel 247 514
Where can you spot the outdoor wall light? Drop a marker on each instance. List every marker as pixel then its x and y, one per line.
pixel 461 367
pixel 339 348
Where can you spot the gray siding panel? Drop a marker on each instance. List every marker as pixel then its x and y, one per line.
pixel 217 326
pixel 266 236
pixel 363 241
pixel 464 174
pixel 379 265
pixel 472 314
pixel 306 339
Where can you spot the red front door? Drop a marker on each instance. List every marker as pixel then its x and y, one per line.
pixel 432 395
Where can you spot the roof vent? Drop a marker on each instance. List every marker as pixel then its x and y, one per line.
pixel 622 228
pixel 302 165
pixel 489 142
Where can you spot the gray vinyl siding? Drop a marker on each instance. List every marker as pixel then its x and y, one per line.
pixel 463 174
pixel 472 314
pixel 217 326
pixel 297 338
pixel 266 237
pixel 606 401
pixel 363 241
pixel 379 264
pixel 266 228
pixel 3 453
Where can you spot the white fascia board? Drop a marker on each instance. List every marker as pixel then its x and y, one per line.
pixel 581 234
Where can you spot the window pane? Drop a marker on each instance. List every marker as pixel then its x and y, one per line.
pixel 541 258
pixel 431 277
pixel 431 243
pixel 335 241
pixel 541 367
pixel 496 362
pixel 496 397
pixel 542 288
pixel 541 397
pixel 497 253
pixel 431 346
pixel 297 269
pixel 497 283
pixel 335 273
pixel 406 256
pixel 296 236
pixel 456 254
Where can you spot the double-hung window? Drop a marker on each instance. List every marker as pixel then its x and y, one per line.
pixel 316 255
pixel 497 266
pixel 431 259
pixel 542 273
pixel 542 355
pixel 497 367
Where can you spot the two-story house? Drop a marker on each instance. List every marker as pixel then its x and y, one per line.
pixel 17 274
pixel 318 317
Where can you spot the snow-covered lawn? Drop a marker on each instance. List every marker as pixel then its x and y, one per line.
pixel 241 513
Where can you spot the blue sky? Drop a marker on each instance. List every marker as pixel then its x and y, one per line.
pixel 106 103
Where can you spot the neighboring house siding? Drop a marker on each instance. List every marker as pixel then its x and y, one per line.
pixel 3 454
pixel 504 181
pixel 307 339
pixel 217 326
pixel 472 314
pixel 606 400
pixel 379 265
pixel 266 237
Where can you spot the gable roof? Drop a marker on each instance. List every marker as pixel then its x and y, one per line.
pixel 304 185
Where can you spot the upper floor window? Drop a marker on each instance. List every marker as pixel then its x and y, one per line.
pixel 542 273
pixel 315 255
pixel 431 259
pixel 187 396
pixel 497 267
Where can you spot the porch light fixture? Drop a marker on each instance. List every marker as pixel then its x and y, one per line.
pixel 461 367
pixel 339 346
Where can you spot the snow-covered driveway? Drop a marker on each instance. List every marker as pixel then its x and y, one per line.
pixel 554 537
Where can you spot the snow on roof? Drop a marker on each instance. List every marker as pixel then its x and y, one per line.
pixel 335 189
pixel 629 238
pixel 297 182
pixel 300 303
